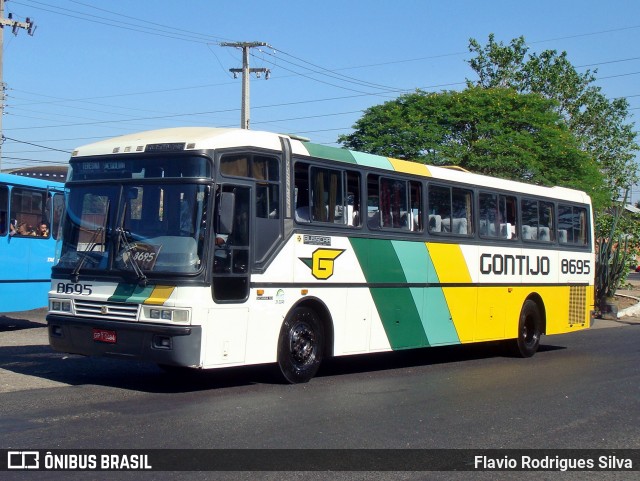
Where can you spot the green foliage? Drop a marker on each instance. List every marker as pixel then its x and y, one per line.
pixel 494 131
pixel 617 248
pixel 625 224
pixel 599 125
pixel 613 252
pixel 611 267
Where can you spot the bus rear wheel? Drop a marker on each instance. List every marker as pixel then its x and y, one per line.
pixel 529 330
pixel 300 345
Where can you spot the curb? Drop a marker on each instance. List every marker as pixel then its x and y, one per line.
pixel 631 311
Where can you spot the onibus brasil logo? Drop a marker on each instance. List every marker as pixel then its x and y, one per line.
pixel 321 262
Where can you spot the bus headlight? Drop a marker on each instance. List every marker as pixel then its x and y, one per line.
pixel 60 305
pixel 180 316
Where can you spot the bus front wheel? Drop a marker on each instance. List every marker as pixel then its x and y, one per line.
pixel 300 345
pixel 529 330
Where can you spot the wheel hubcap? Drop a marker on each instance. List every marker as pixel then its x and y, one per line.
pixel 302 344
pixel 529 332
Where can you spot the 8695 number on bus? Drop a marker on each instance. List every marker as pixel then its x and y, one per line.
pixel 575 266
pixel 78 289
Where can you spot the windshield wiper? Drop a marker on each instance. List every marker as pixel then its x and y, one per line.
pixel 127 255
pixel 75 274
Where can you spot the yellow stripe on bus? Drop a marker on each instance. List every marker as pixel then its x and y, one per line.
pixel 159 295
pixel 451 268
pixel 409 167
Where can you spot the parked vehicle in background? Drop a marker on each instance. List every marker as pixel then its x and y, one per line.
pixel 30 214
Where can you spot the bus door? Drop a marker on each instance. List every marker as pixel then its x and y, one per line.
pixel 231 267
pixel 227 324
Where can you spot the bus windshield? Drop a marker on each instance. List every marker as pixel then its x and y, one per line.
pixel 143 228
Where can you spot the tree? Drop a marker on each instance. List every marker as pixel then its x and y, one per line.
pixel 600 125
pixel 495 131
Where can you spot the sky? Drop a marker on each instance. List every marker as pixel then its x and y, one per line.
pixel 95 69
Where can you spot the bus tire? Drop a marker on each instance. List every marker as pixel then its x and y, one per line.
pixel 300 345
pixel 529 330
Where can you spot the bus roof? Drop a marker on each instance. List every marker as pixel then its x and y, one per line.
pixel 201 138
pixel 15 179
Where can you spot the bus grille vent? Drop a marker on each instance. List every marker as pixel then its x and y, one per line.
pixel 106 310
pixel 577 304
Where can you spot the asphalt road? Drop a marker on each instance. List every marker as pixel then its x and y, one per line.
pixel 581 390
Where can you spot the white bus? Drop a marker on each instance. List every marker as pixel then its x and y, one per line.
pixel 208 248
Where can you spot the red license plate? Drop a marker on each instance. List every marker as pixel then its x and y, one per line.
pixel 103 335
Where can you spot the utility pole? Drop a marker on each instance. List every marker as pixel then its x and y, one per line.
pixel 15 26
pixel 246 71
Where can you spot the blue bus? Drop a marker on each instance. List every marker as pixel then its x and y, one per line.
pixel 30 214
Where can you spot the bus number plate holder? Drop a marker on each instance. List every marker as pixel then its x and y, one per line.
pixel 104 335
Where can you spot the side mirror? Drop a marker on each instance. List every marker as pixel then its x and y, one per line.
pixel 226 213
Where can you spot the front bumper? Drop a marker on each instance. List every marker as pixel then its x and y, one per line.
pixel 159 343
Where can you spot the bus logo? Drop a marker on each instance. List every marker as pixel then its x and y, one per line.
pixel 321 262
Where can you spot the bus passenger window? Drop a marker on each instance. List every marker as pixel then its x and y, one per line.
pixel 489 217
pixel 326 195
pixel 538 220
pixel 394 204
pixel 572 225
pixel 415 214
pixel 450 210
pixel 28 210
pixel 439 209
pixel 509 216
pixel 497 216
pixel 353 199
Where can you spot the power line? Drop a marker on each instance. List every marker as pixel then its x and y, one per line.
pixel 189 37
pixel 204 36
pixel 331 73
pixel 15 26
pixel 36 145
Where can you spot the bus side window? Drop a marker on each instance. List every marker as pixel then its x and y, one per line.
pixel 353 199
pixel 301 193
pixel 395 204
pixel 572 225
pixel 450 210
pixel 509 216
pixel 490 222
pixel 415 214
pixel 439 209
pixel 4 218
pixel 538 220
pixel 373 202
pixel 326 195
pixel 28 208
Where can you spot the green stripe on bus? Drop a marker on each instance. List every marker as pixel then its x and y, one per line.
pixel 396 306
pixel 326 152
pixel 371 160
pixel 131 293
pixel 432 305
